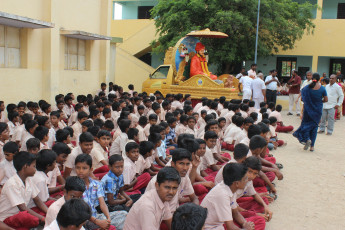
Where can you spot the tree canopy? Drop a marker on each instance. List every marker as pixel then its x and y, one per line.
pixel 282 23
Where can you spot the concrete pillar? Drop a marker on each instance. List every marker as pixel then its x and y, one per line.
pixel 315 63
pixel 105 28
pixel 319 11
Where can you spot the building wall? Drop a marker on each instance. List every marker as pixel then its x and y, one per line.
pixel 130 8
pixel 330 8
pixel 315 49
pixel 137 36
pixel 323 65
pixel 42 74
pixel 268 63
pixel 130 70
pixel 314 11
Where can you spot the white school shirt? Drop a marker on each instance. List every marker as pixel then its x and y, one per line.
pixel 68 110
pixel 223 112
pixel 2 155
pixel 15 192
pixel 41 180
pixel 247 191
pixel 129 171
pixel 185 188
pixel 335 96
pixel 257 86
pixel 73 118
pixel 54 226
pixel 11 127
pixel 52 176
pixel 240 136
pixel 228 129
pixel 220 107
pixel 70 162
pixel 247 83
pixel 244 114
pixel 191 131
pixel 142 164
pixel 219 202
pixel 197 106
pixel 277 115
pixel 53 211
pixel 203 108
pixel 18 132
pixel 228 118
pixel 26 136
pixel 219 176
pixel 201 124
pixel 119 144
pixel 3 117
pixel 141 133
pixel 176 105
pixel 232 134
pixel 180 128
pixel 213 111
pixel 52 137
pixel 98 154
pixel 273 85
pixel 9 170
pixel 207 160
pixel 245 141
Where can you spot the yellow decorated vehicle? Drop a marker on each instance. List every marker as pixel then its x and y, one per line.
pixel 174 75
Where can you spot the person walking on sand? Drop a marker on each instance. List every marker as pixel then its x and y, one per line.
pixel 313 97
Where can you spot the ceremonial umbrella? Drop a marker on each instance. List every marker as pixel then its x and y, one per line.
pixel 207 33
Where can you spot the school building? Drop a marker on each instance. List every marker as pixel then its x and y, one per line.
pixel 321 51
pixel 49 47
pixel 134 60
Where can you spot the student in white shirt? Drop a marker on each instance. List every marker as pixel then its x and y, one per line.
pixel 13 122
pixel 45 162
pixel 119 144
pixel 7 169
pixel 213 109
pixel 72 215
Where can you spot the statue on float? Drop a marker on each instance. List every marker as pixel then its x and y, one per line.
pixel 199 62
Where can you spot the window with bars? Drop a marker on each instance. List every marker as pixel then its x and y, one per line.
pixel 75 54
pixel 9 47
pixel 341 11
pixel 287 67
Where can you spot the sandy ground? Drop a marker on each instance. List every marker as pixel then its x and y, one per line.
pixel 312 193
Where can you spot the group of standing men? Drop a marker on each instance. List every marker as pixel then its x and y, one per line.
pixel 255 88
pixel 265 90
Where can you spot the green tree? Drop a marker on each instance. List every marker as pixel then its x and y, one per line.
pixel 282 23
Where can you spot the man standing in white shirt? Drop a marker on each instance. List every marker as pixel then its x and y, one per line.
pixel 272 84
pixel 252 71
pixel 308 79
pixel 247 86
pixel 259 90
pixel 238 76
pixel 335 99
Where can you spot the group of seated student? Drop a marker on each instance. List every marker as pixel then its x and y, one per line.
pixel 123 160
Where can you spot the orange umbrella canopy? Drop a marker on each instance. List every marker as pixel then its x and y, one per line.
pixel 207 33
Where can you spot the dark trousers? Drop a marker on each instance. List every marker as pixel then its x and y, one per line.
pixel 271 96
